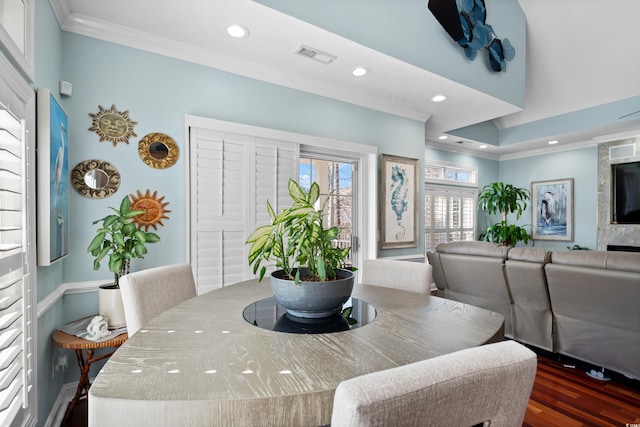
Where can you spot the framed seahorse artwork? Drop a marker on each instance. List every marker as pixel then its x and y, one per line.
pixel 399 202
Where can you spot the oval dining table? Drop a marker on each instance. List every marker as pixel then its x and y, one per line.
pixel 202 363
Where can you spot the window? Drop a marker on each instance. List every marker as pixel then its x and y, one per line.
pixel 16 311
pixel 16 34
pixel 449 210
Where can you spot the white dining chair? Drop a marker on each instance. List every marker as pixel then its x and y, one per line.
pixel 487 384
pixel 148 293
pixel 405 275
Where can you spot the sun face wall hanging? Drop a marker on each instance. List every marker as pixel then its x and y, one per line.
pixel 112 125
pixel 152 206
pixel 466 23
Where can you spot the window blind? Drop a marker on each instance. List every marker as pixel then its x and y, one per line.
pixel 235 175
pixel 15 328
pixel 450 215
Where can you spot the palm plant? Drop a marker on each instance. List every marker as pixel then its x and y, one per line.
pixel 504 199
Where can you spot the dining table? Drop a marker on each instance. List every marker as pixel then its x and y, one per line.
pixel 233 356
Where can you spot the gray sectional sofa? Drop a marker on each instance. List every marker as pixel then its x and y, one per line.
pixel 582 304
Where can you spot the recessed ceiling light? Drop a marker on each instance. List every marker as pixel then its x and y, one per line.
pixel 483 146
pixel 359 71
pixel 552 142
pixel 237 31
pixel 438 98
pixel 443 137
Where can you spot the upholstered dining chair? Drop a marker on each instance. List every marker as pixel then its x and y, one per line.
pixel 148 293
pixel 405 275
pixel 487 384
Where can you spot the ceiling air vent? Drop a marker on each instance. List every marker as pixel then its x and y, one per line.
pixel 622 151
pixel 315 54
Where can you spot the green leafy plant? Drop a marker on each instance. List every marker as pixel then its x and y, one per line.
pixel 504 199
pixel 297 238
pixel 120 239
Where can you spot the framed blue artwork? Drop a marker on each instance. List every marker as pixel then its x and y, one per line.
pixel 399 198
pixel 52 179
pixel 552 209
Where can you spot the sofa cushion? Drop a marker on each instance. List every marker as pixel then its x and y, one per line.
pixel 622 261
pixel 541 256
pixel 487 249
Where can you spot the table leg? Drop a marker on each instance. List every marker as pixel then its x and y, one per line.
pixel 83 384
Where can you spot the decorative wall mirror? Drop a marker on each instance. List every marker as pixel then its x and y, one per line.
pixel 95 179
pixel 158 150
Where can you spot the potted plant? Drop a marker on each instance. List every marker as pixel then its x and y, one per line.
pixel 121 240
pixel 505 199
pixel 311 278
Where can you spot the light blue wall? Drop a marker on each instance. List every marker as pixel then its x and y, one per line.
pixel 48 63
pixel 582 166
pixel 158 92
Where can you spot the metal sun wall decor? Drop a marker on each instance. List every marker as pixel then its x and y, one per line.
pixel 466 22
pixel 112 125
pixel 153 207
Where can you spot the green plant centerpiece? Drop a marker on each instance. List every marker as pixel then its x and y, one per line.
pixel 504 199
pixel 120 239
pixel 311 278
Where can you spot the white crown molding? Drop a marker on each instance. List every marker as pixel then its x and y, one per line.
pixel 66 289
pixel 103 30
pixel 522 154
pixel 61 10
pixel 459 148
pixel 550 150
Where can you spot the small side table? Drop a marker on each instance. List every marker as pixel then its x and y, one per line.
pixel 65 340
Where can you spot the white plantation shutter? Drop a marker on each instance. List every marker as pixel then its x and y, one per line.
pixel 450 215
pixel 233 175
pixel 274 163
pixel 16 328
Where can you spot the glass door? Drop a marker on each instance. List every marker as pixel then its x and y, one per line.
pixel 337 182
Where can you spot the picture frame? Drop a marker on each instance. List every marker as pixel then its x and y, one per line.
pixel 52 131
pixel 552 209
pixel 399 202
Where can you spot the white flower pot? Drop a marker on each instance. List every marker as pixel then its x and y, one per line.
pixel 110 305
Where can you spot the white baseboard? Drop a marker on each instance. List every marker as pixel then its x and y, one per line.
pixel 60 405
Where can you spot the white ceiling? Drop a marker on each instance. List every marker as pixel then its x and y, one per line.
pixel 580 54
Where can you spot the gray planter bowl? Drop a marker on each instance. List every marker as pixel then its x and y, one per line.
pixel 312 299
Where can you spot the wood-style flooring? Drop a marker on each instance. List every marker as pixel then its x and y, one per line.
pixel 561 396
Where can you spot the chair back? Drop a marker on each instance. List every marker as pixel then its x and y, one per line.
pixel 148 293
pixel 490 383
pixel 405 275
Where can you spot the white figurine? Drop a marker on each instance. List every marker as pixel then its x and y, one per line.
pixel 98 328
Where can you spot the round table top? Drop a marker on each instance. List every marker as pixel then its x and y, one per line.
pixel 202 358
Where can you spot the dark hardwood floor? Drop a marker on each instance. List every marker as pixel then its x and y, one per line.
pixel 561 396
